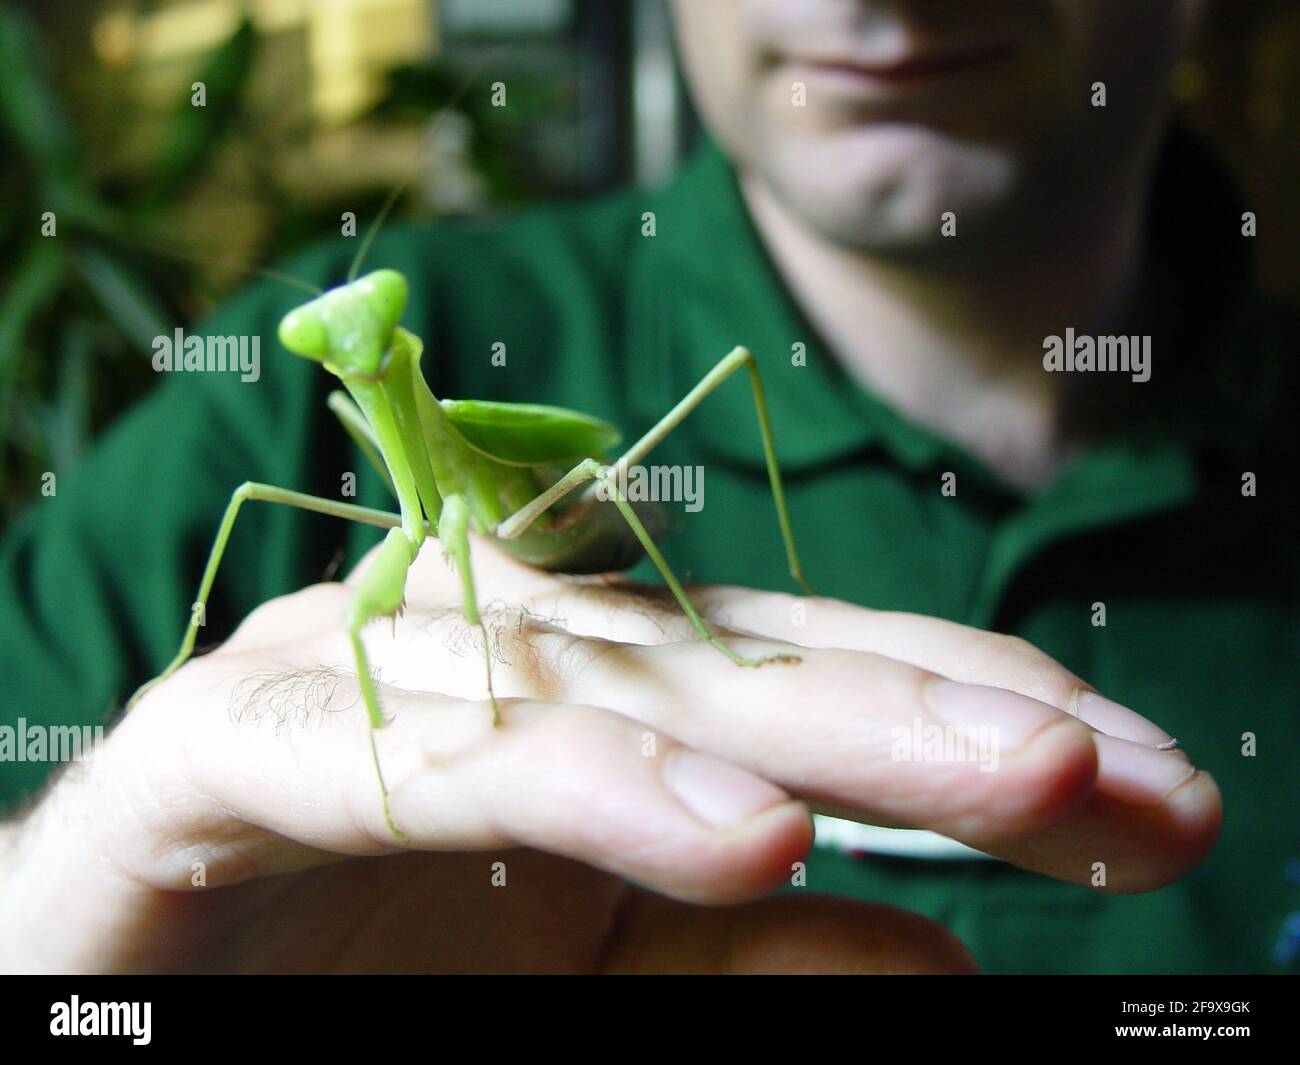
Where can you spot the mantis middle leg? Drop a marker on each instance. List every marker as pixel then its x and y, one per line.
pixel 379 592
pixel 271 494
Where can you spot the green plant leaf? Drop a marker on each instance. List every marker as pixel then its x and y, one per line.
pixel 32 287
pixel 127 300
pixel 193 133
pixel 67 428
pixel 30 109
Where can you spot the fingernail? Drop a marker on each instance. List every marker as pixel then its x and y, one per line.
pixel 1119 721
pixel 1014 718
pixel 717 793
pixel 1137 773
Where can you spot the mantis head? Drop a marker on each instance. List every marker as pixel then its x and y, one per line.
pixel 349 328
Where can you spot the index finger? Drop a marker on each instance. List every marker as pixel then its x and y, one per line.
pixel 883 740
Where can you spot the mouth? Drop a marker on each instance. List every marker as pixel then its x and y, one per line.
pixel 901 76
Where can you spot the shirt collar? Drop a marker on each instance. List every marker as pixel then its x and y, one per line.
pixel 704 283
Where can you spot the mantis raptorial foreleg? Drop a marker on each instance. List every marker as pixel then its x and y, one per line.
pixel 453 533
pixel 352 420
pixel 526 515
pixel 378 594
pixel 270 494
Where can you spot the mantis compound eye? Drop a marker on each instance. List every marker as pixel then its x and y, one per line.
pixel 303 333
pixel 386 292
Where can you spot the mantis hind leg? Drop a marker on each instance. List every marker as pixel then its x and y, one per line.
pixel 674 585
pixel 728 365
pixel 518 522
pixel 453 532
pixel 270 494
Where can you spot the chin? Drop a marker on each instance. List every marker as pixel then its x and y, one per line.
pixel 887 187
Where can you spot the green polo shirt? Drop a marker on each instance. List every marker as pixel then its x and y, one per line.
pixel 1199 580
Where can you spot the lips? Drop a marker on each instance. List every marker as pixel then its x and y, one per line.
pixel 912 69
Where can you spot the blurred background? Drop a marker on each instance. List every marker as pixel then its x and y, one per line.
pixel 314 107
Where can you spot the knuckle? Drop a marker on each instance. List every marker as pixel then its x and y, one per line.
pixel 133 810
pixel 984 649
pixel 1012 661
pixel 561 658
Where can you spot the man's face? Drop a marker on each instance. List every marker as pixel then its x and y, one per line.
pixel 869 119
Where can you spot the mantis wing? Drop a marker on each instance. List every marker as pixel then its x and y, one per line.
pixel 530 434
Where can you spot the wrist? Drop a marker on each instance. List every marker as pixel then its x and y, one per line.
pixel 66 907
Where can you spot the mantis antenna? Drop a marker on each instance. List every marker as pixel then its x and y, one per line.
pixel 369 239
pixel 367 242
pixel 236 264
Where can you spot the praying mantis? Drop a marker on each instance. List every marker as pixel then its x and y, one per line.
pixel 460 465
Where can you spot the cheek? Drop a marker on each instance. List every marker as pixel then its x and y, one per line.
pixel 719 60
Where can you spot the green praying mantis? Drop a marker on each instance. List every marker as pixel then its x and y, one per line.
pixel 454 466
